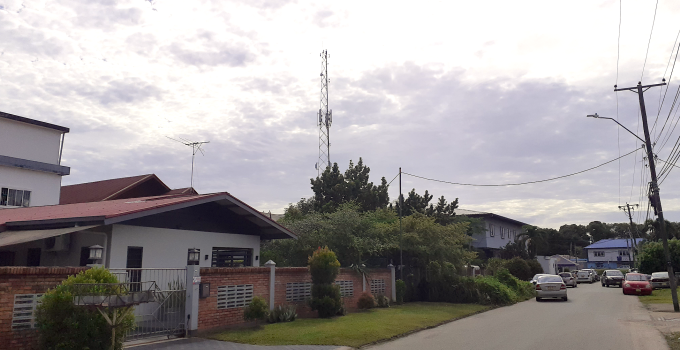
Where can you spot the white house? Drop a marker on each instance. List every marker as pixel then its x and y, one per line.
pixel 499 231
pixel 611 253
pixel 146 232
pixel 30 161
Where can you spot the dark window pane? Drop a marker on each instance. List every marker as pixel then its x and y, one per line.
pixel 27 199
pixel 18 198
pixel 11 196
pixel 33 257
pixel 85 256
pixel 232 257
pixel 134 261
pixel 6 258
pixel 3 196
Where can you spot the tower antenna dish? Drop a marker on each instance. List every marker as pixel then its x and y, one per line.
pixel 195 147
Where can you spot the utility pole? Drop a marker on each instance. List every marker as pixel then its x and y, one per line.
pixel 654 196
pixel 627 209
pixel 401 232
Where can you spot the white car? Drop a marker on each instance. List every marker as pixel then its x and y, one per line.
pixel 551 286
pixel 585 276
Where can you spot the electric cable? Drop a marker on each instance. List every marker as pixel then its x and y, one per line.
pixel 392 180
pixel 650 40
pixel 521 183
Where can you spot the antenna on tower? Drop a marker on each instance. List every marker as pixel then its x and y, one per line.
pixel 325 118
pixel 195 147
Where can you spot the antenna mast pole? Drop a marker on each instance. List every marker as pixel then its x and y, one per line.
pixel 325 119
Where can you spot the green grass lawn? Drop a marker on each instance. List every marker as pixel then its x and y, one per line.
pixel 355 329
pixel 659 296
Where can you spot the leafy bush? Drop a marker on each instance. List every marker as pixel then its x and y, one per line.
pixel 382 301
pixel 282 313
pixel 506 278
pixel 366 301
pixel 63 325
pixel 493 265
pixel 256 310
pixel 401 290
pixel 535 267
pixel 494 292
pixel 324 268
pixel 519 268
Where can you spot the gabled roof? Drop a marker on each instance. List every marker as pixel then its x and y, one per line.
pixel 17 118
pixel 122 210
pixel 481 214
pixel 613 243
pixel 125 187
pixel 185 190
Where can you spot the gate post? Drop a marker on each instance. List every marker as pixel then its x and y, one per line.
pixel 191 309
pixel 394 283
pixel 272 283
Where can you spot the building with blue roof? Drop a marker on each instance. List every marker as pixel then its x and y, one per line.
pixel 616 253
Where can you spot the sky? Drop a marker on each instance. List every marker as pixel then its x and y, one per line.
pixel 491 92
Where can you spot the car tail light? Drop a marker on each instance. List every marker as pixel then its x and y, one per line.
pixel 538 287
pixel 627 285
pixel 564 286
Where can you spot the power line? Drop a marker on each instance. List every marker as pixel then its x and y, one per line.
pixel 395 176
pixel 521 183
pixel 650 40
pixel 618 57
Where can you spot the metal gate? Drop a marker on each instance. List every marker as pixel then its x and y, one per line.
pixel 164 316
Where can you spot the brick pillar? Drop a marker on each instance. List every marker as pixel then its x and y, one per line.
pixel 272 282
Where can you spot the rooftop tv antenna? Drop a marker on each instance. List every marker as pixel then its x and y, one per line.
pixel 195 147
pixel 325 119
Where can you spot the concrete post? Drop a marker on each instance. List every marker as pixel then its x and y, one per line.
pixel 394 283
pixel 272 283
pixel 363 283
pixel 193 282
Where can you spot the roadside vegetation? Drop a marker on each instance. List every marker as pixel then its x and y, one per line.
pixel 355 329
pixel 659 296
pixel 673 340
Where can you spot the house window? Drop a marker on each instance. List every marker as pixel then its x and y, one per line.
pixel 599 265
pixel 6 258
pixel 33 257
pixel 624 253
pixel 491 231
pixel 14 198
pixel 503 232
pixel 598 253
pixel 232 257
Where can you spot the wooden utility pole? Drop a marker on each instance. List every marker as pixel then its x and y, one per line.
pixel 401 232
pixel 627 209
pixel 654 196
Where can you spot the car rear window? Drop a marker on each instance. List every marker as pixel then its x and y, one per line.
pixel 545 279
pixel 614 273
pixel 660 274
pixel 630 277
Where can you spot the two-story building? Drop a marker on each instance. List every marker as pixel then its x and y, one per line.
pixel 30 162
pixel 499 231
pixel 615 253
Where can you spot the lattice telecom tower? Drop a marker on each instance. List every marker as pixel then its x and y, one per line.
pixel 325 119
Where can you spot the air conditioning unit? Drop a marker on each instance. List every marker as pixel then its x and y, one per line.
pixel 57 243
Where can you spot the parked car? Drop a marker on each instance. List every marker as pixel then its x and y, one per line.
pixel 660 280
pixel 596 277
pixel 551 286
pixel 536 276
pixel 612 278
pixel 584 276
pixel 569 279
pixel 636 283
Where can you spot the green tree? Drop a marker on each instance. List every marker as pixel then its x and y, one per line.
pixel 652 259
pixel 333 188
pixel 415 203
pixel 534 238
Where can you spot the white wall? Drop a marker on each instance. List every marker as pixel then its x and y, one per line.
pixel 169 248
pixel 27 141
pixel 45 187
pixel 609 255
pixel 496 241
pixel 69 257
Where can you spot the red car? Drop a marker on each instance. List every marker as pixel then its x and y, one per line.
pixel 637 283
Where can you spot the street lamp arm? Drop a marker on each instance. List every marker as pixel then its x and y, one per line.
pixel 617 122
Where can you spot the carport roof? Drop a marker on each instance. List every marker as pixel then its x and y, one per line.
pixel 120 210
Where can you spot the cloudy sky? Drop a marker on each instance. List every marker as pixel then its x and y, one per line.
pixel 485 92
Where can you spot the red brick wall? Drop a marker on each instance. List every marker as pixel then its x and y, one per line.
pixel 25 280
pixel 209 317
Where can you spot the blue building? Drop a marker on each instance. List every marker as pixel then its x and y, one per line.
pixel 615 253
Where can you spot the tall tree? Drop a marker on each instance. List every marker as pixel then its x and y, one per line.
pixel 333 188
pixel 415 203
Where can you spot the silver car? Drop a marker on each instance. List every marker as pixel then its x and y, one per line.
pixel 569 279
pixel 660 280
pixel 536 276
pixel 551 286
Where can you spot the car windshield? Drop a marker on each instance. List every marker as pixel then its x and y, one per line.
pixel 635 277
pixel 660 274
pixel 547 279
pixel 537 276
pixel 614 273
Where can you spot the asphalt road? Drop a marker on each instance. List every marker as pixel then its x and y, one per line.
pixel 593 318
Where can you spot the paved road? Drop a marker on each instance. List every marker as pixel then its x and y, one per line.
pixel 593 318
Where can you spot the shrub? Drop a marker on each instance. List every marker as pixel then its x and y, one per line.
pixel 382 301
pixel 535 267
pixel 63 325
pixel 494 292
pixel 256 310
pixel 401 290
pixel 519 268
pixel 324 267
pixel 366 301
pixel 282 313
pixel 493 265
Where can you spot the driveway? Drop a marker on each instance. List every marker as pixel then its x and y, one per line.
pixel 206 344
